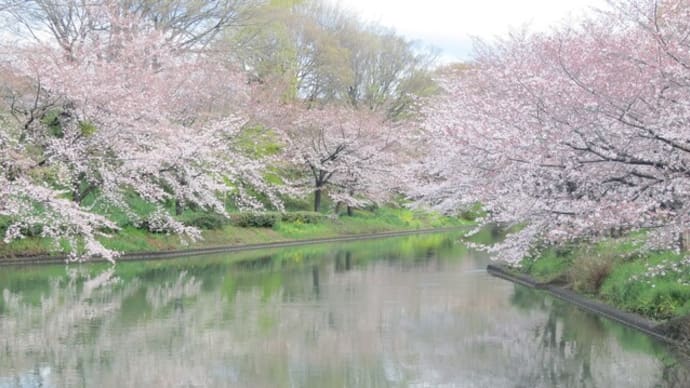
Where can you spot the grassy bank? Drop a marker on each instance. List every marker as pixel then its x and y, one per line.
pixel 620 272
pixel 251 229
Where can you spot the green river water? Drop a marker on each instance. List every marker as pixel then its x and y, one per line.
pixel 417 311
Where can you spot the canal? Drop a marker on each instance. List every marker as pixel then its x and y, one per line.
pixel 416 311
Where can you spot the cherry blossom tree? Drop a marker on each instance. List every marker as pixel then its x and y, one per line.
pixel 571 133
pixel 124 110
pixel 347 152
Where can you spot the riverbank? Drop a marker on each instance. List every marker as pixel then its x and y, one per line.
pixel 620 275
pixel 620 272
pixel 294 228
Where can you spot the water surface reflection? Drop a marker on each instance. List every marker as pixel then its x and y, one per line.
pixel 414 311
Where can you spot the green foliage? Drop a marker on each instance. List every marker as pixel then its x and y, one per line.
pixel 51 120
pixel 26 247
pixel 551 264
pixel 4 224
pixel 232 199
pixel 660 297
pixel 391 216
pixel 414 219
pixel 138 209
pixel 203 220
pixel 297 204
pixel 255 220
pixel 473 212
pixel 258 141
pixel 285 3
pixel 241 228
pixel 590 272
pixel 34 230
pixel 47 174
pixel 273 178
pixel 299 230
pixel 30 230
pixel 303 217
pixel 379 220
pixel 87 128
pixel 132 239
pixel 583 267
pixel 326 54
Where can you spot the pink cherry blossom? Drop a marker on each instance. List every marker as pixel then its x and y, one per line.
pixel 573 132
pixel 132 111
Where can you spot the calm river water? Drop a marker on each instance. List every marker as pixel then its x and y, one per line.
pixel 401 312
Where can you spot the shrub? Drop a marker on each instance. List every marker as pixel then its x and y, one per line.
pixel 33 230
pixel 472 213
pixel 303 217
pixel 590 271
pixel 4 224
pixel 256 220
pixel 204 220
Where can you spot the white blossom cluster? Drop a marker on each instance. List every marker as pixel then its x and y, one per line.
pixel 666 268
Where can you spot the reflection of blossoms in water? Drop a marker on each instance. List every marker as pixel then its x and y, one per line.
pixel 183 287
pixel 340 322
pixel 77 324
pixel 47 327
pixel 104 279
pixel 12 301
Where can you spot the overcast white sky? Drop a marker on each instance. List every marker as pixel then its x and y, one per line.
pixel 449 24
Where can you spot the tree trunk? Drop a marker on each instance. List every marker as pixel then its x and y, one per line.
pixel 79 195
pixel 681 242
pixel 317 199
pixel 349 208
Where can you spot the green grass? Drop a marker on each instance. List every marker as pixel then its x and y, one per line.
pixel 132 239
pixel 664 295
pixel 622 273
pixel 380 220
pixel 549 266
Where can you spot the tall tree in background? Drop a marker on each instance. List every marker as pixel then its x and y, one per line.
pixel 572 132
pixel 187 23
pixel 323 53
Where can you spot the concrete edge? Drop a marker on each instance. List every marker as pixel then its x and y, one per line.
pixel 501 272
pixel 631 320
pixel 160 255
